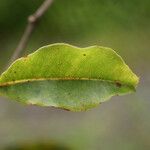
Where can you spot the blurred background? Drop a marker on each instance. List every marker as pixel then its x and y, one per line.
pixel 123 123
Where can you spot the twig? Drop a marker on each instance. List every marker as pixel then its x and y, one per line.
pixel 32 21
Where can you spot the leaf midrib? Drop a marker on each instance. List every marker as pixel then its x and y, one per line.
pixel 62 79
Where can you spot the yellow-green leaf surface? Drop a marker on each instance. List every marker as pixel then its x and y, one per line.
pixel 68 77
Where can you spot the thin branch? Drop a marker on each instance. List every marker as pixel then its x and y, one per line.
pixel 32 21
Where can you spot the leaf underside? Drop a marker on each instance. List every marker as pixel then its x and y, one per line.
pixel 68 77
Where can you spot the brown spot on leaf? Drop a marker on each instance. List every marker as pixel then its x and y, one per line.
pixel 65 109
pixel 60 108
pixel 25 58
pixel 118 84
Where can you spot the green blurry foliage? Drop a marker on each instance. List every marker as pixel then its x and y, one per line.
pixel 37 146
pixel 80 22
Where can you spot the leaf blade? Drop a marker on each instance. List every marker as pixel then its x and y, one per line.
pixel 63 62
pixel 75 96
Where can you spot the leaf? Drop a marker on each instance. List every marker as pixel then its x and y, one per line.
pixel 68 77
pixel 37 145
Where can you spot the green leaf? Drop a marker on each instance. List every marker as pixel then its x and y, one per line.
pixel 68 77
pixel 38 145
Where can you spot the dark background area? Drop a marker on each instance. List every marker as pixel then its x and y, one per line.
pixel 121 123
